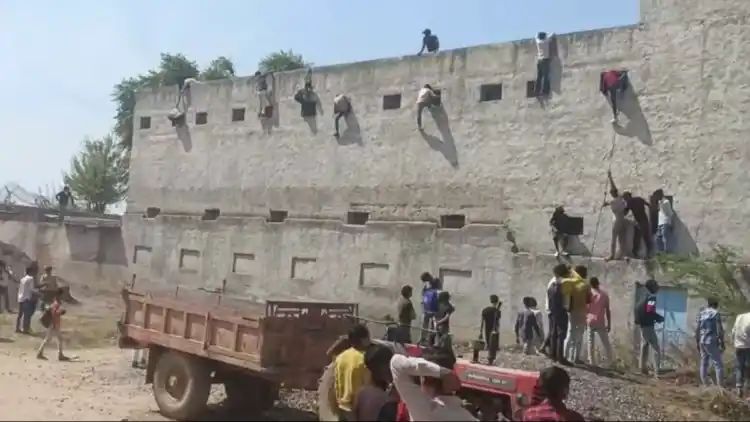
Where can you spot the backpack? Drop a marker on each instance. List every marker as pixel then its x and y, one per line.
pixel 430 300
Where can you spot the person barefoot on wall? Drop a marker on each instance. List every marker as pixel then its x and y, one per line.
pixel 53 317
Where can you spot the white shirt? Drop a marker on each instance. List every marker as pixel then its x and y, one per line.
pixel 546 296
pixel 741 331
pixel 26 288
pixel 425 96
pixel 665 212
pixel 542 47
pixel 618 207
pixel 421 406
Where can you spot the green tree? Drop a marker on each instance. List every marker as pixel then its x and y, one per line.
pixel 281 60
pixel 717 276
pixel 99 173
pixel 219 68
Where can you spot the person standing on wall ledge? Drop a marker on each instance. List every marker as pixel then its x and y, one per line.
pixel 309 101
pixel 342 106
pixel 265 103
pixel 638 206
pixel 427 97
pixel 63 198
pixel 559 237
pixel 542 85
pixel 619 225
pixel 429 42
pixel 612 82
pixel 665 214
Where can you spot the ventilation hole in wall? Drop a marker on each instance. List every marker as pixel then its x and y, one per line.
pixel 189 259
pixel 238 114
pixel 243 263
pixel 530 89
pixel 491 92
pixel 304 268
pixel 456 281
pixel 210 214
pixel 141 254
pixel 391 102
pixel 452 221
pixel 277 216
pixel 357 217
pixel 373 275
pixel 145 122
pixel 201 118
pixel 152 212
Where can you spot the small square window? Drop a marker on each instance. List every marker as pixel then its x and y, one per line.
pixel 277 216
pixel 145 122
pixel 391 102
pixel 357 217
pixel 452 221
pixel 238 114
pixel 530 89
pixel 152 212
pixel 211 214
pixel 201 118
pixel 491 92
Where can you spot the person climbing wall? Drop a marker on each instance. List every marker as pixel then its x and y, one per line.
pixel 542 85
pixel 342 106
pixel 309 101
pixel 427 97
pixel 611 83
pixel 429 42
pixel 619 206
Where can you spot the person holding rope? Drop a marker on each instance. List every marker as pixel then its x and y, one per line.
pixel 619 206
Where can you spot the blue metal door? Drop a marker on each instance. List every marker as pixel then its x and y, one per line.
pixel 671 303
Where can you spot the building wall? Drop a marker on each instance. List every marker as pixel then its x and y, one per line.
pixel 504 165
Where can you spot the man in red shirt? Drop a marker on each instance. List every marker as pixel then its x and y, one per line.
pixel 612 81
pixel 554 384
pixel 56 312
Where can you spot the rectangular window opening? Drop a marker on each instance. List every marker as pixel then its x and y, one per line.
pixel 189 259
pixel 152 212
pixel 201 118
pixel 531 89
pixel 452 221
pixel 277 216
pixel 491 92
pixel 210 214
pixel 140 253
pixel 242 263
pixel 238 114
pixel 145 122
pixel 391 102
pixel 357 217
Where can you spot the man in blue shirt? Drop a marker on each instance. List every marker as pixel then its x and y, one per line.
pixel 709 338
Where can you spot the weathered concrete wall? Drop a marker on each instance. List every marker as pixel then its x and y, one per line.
pixel 503 164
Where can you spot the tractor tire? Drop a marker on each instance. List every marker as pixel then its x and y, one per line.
pixel 181 386
pixel 250 395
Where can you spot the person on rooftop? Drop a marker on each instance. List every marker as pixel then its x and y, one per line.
pixel 430 42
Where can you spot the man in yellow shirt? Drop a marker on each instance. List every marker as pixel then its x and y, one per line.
pixel 577 295
pixel 351 372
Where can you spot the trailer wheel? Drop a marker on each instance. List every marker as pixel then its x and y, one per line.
pixel 250 395
pixel 181 386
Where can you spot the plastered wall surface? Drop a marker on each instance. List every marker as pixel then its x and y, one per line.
pixel 504 165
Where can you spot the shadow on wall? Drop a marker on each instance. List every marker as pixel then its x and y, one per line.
pixel 684 244
pixel 577 247
pixel 446 145
pixel 637 126
pixel 183 134
pixel 353 133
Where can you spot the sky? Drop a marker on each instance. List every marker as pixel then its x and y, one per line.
pixel 60 59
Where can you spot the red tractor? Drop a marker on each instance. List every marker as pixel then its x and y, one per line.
pixel 488 391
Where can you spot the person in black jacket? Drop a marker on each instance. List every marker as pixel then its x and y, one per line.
pixel 559 237
pixel 638 207
pixel 429 42
pixel 646 317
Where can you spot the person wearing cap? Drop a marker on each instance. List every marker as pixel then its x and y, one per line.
pixel 429 42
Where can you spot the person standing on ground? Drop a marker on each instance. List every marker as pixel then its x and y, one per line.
pixel 542 64
pixel 490 327
pixel 374 395
pixel 709 339
pixel 351 372
pixel 646 317
pixel 406 315
pixel 427 98
pixel 741 337
pixel 26 303
pixel 577 294
pixel 558 315
pixel 599 321
pixel 443 320
pixel 56 312
pixel 527 328
pixel 665 214
pixel 558 269
pixel 6 276
pixel 342 106
pixel 619 225
pixel 434 399
pixel 538 339
pixel 554 383
pixel 430 291
pixel 430 42
pixel 638 207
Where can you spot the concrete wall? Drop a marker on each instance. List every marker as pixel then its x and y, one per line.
pixel 504 165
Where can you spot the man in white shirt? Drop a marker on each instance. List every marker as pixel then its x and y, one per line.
pixel 664 226
pixel 619 207
pixel 434 399
pixel 741 338
pixel 427 97
pixel 26 303
pixel 542 64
